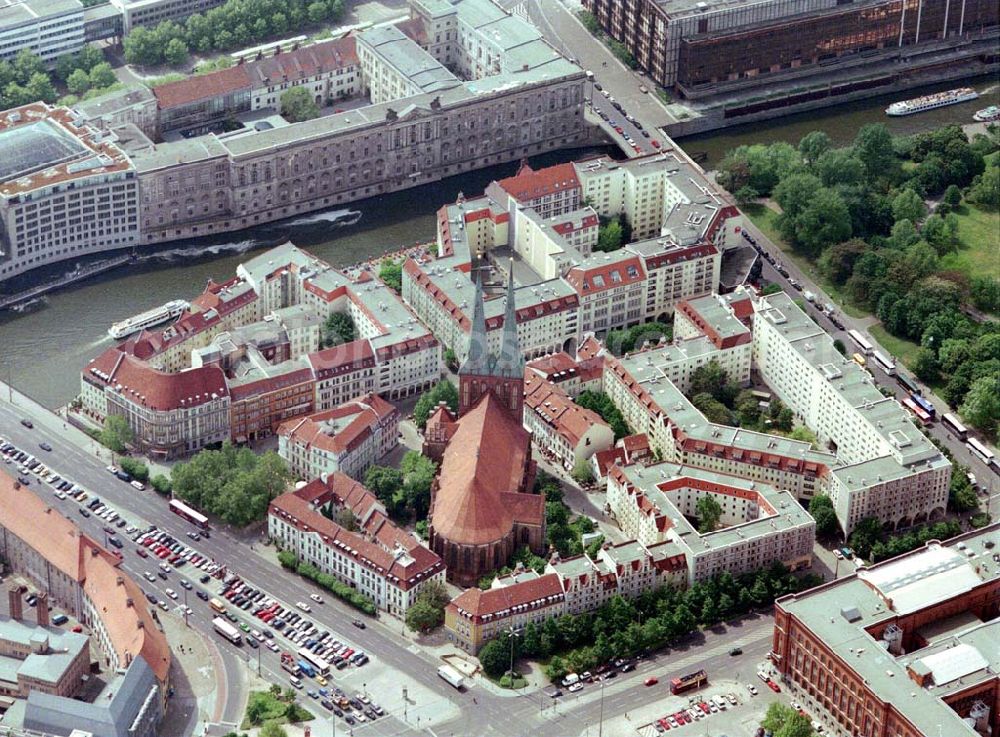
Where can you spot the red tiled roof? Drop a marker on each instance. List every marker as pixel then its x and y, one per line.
pixel 307 61
pixel 634 443
pixel 590 348
pixel 146 386
pixel 485 458
pixel 269 384
pixel 556 409
pixel 608 458
pixel 538 592
pixel 529 184
pixel 202 87
pixel 342 358
pixel 366 411
pixel 130 627
pixel 601 276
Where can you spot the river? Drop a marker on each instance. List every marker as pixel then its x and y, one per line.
pixel 841 123
pixel 43 351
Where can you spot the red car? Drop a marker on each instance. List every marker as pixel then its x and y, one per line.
pixel 652 681
pixel 664 723
pixel 774 686
pixel 704 707
pixel 655 143
pixel 141 552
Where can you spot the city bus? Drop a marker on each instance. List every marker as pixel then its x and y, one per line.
pixel 952 423
pixel 884 363
pixel 924 404
pixel 183 510
pixel 861 341
pixel 907 383
pixel 918 412
pixel 217 606
pixel 319 665
pixel 227 630
pixel 687 683
pixel 980 451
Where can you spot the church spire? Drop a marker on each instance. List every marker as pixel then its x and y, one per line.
pixel 510 362
pixel 477 361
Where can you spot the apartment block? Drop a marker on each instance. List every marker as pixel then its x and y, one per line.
pixel 379 560
pixel 347 439
pixel 47 28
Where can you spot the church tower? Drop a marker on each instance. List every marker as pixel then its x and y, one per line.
pixel 482 372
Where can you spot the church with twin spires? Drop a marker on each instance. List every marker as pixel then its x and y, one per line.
pixel 482 505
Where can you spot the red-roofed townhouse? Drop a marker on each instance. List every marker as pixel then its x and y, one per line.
pixel 381 562
pixel 553 190
pixel 612 290
pixel 348 439
pixel 565 431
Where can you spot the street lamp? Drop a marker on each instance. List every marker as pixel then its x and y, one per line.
pixel 600 723
pixel 512 633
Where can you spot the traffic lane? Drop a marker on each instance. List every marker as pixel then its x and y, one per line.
pixel 619 118
pixel 90 474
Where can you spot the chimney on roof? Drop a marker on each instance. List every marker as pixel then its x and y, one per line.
pixel 42 609
pixel 14 602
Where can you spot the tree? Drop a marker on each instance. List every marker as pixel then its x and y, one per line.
pixel 78 82
pixel 494 656
pixel 839 345
pixel 422 617
pixel 873 147
pixel 813 145
pixel 925 365
pixel 161 484
pixel 176 52
pixel 39 87
pixel 985 188
pixel 821 510
pixel 746 195
pixel 583 472
pixel 443 391
pixel 952 196
pixel 391 272
pixel 338 328
pixel 117 433
pixel 981 407
pixel 709 512
pixel 824 221
pixel 102 75
pixel 714 410
pixel 347 519
pixel 317 12
pixel 708 379
pixel 272 729
pixel 907 205
pixel 610 236
pixel 297 104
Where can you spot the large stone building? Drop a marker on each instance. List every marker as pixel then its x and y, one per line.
pixel 482 505
pixel 66 189
pixel 379 560
pixel 903 648
pixel 85 580
pixel 567 586
pixel 687 45
pixel 246 357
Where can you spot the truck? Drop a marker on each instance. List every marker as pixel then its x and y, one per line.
pixel 452 676
pixel 306 668
pixel 288 663
pixel 688 682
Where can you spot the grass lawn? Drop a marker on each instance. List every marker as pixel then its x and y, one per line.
pixel 979 243
pixel 904 350
pixel 271 708
pixel 766 220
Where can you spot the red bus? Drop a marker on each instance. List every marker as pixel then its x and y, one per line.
pixel 918 412
pixel 688 682
pixel 183 510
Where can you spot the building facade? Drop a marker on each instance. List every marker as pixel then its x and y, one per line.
pixel 47 28
pixel 689 45
pixel 380 561
pixel 67 190
pixel 903 648
pixel 347 439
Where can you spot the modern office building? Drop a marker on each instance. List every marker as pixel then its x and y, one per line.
pixel 686 45
pixel 151 13
pixel 379 560
pixel 47 28
pixel 902 648
pixel 66 189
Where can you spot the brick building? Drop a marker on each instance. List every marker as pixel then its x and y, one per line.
pixel 903 648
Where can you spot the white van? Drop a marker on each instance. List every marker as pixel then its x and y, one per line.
pixel 570 679
pixel 138 485
pixel 720 701
pixel 295 681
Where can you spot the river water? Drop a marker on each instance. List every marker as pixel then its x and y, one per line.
pixel 43 351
